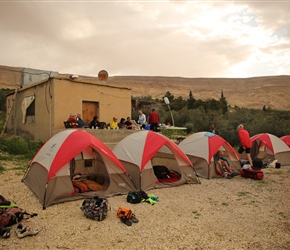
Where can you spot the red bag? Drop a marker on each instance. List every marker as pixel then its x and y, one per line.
pixel 252 174
pixel 10 216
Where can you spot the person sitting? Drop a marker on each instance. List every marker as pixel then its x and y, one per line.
pixel 102 125
pixel 72 121
pixel 80 121
pixel 122 124
pixel 128 123
pixel 95 122
pixel 114 123
pixel 223 166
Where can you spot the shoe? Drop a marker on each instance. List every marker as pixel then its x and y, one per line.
pixel 26 231
pixel 126 221
pixel 5 232
pixel 228 177
pixel 234 173
pixel 134 219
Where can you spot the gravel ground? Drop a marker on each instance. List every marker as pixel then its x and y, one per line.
pixel 236 213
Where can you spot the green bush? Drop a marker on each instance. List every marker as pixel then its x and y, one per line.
pixel 20 146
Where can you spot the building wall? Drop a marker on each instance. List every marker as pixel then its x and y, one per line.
pixel 70 95
pixel 38 126
pixel 57 98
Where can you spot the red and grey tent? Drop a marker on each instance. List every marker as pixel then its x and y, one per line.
pixel 141 151
pixel 286 139
pixel 200 149
pixel 269 147
pixel 51 171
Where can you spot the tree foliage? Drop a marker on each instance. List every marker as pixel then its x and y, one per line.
pixel 198 115
pixel 3 93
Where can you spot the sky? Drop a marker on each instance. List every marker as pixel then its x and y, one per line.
pixel 232 39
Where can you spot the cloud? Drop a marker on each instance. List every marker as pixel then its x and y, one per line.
pixel 179 38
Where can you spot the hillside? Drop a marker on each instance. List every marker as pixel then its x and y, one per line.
pixel 271 91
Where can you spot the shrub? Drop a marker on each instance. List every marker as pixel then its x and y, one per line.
pixel 20 146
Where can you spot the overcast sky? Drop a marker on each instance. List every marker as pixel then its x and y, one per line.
pixel 150 38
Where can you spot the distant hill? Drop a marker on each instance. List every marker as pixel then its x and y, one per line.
pixel 271 91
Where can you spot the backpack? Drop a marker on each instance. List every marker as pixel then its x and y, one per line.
pixel 161 172
pixel 136 196
pixel 257 163
pixel 252 174
pixel 10 216
pixel 4 203
pixel 95 208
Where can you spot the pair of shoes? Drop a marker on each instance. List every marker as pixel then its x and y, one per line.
pixel 5 232
pixel 126 221
pixel 26 231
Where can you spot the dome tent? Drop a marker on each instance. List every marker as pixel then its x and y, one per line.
pixel 140 151
pixel 51 171
pixel 200 149
pixel 286 139
pixel 269 147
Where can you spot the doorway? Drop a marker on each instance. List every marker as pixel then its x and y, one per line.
pixel 90 109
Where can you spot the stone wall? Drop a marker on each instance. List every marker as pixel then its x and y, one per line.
pixel 108 136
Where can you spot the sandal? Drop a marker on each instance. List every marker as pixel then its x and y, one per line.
pixel 26 231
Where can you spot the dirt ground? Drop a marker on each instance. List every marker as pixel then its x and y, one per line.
pixel 235 213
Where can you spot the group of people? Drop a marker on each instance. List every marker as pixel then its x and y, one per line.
pixel 153 120
pixel 123 124
pixel 75 120
pixel 223 166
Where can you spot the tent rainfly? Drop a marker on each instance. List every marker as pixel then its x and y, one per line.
pixel 200 149
pixel 286 139
pixel 70 153
pixel 140 152
pixel 269 147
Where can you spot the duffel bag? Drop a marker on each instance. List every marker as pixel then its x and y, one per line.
pixel 252 174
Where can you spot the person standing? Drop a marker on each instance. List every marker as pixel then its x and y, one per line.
pixel 214 130
pixel 153 120
pixel 245 142
pixel 142 119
